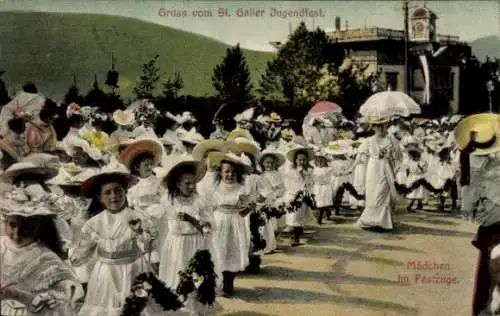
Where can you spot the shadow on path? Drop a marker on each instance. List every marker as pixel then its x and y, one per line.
pixel 266 295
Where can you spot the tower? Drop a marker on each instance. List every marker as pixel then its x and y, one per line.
pixel 423 25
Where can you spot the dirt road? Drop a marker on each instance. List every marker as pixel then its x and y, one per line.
pixel 425 268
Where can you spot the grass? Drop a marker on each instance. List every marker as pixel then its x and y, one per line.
pixel 47 48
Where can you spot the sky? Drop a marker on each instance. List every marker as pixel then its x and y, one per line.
pixel 467 19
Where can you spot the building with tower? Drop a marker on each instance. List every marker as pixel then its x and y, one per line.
pixel 432 64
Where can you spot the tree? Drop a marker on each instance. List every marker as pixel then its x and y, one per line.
pixel 297 67
pixel 147 84
pixel 231 81
pixel 73 95
pixel 96 97
pixel 172 87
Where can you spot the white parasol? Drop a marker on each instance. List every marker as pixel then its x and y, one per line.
pixel 387 104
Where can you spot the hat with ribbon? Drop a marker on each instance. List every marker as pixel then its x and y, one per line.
pixel 274 118
pixel 217 158
pixel 141 146
pixel 296 148
pixel 338 148
pixel 479 131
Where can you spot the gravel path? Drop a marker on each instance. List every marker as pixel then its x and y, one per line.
pixel 341 270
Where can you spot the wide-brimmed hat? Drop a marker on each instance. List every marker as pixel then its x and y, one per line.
pixel 278 157
pixel 274 118
pixel 113 170
pixel 208 145
pixel 291 153
pixel 6 148
pixel 240 132
pixel 139 147
pixel 338 149
pixel 375 120
pixel 63 178
pixel 241 145
pixel 21 168
pixel 190 137
pixel 241 160
pixel 183 162
pixel 124 117
pixel 486 126
pixel 17 201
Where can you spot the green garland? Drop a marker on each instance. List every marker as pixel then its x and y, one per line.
pixel 199 276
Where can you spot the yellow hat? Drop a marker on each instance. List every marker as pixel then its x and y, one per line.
pixel 375 120
pixel 486 126
pixel 274 117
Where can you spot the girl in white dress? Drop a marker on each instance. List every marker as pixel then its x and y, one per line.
pixel 34 279
pixel 271 188
pixel 358 177
pixel 189 218
pixel 298 177
pixel 416 169
pixel 380 190
pixel 230 198
pixel 200 153
pixel 323 190
pixel 122 238
pixel 446 171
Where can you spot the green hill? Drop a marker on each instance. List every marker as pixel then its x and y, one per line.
pixel 47 48
pixel 486 46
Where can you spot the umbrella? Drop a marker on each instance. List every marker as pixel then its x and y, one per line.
pixel 325 107
pixel 389 103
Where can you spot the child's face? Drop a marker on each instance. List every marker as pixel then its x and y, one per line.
pixel 18 230
pixel 145 167
pixel 301 160
pixel 113 196
pixel 268 163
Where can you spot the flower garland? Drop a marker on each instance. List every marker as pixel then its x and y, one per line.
pixel 199 276
pixel 301 197
pixel 257 220
pixel 139 297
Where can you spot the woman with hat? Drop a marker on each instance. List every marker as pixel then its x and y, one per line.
pixel 478 138
pixel 298 177
pixel 189 219
pixel 40 133
pixel 380 191
pixel 121 236
pixel 35 280
pixel 231 201
pixel 271 187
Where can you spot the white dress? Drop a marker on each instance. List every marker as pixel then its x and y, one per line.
pixel 121 257
pixel 380 188
pixel 358 181
pixel 416 171
pixel 272 188
pixel 183 239
pixel 295 182
pixel 34 269
pixel 323 190
pixel 230 233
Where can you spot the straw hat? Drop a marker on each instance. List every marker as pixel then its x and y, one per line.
pixel 123 117
pixel 374 120
pixel 290 155
pixel 240 132
pixel 6 148
pixel 337 149
pixel 22 168
pixel 218 157
pixel 208 145
pixel 139 147
pixel 243 145
pixel 487 129
pixel 191 137
pixel 182 162
pixel 18 202
pixel 278 157
pixel 274 118
pixel 63 178
pixel 113 169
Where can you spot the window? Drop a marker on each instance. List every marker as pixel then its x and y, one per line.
pixel 391 78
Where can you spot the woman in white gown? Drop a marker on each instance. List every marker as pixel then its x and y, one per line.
pixel 381 153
